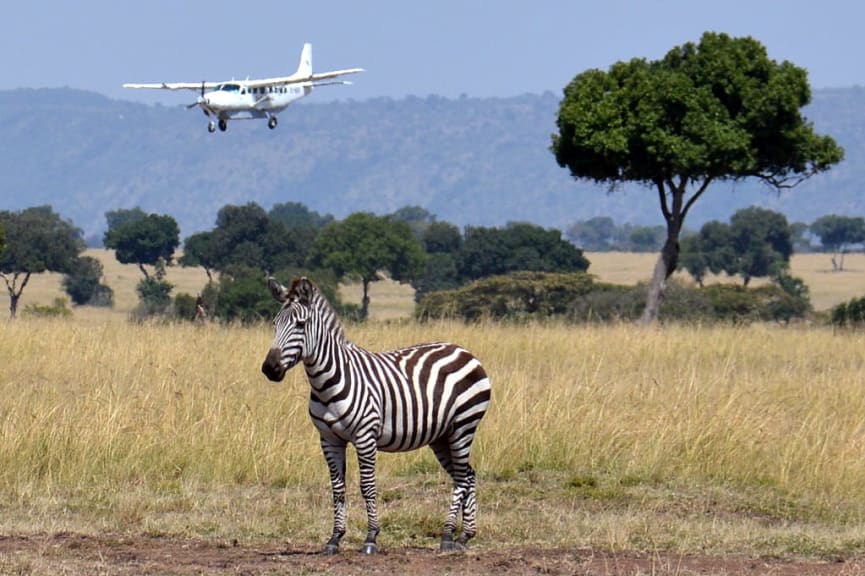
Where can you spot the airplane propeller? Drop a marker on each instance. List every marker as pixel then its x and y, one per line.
pixel 200 101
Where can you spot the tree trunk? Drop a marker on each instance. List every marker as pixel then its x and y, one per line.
pixel 143 271
pixel 15 291
pixel 674 207
pixel 664 268
pixel 13 304
pixel 364 304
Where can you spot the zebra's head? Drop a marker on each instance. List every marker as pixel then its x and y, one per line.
pixel 290 341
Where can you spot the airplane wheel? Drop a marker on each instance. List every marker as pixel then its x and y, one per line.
pixel 223 125
pixel 271 122
pixel 211 126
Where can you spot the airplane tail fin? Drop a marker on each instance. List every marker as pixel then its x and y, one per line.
pixel 305 66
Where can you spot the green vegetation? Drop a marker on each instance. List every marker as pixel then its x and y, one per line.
pixel 579 298
pixel 837 234
pixel 717 110
pixel 37 240
pixel 139 238
pixel 757 243
pixel 363 245
pixel 84 283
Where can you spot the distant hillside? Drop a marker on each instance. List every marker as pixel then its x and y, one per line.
pixel 469 161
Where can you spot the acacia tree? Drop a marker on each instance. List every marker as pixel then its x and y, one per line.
pixel 37 240
pixel 836 233
pixel 713 111
pixel 363 245
pixel 144 240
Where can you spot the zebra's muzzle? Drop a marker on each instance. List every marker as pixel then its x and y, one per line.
pixel 272 366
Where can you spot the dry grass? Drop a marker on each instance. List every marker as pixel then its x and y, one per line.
pixel 726 440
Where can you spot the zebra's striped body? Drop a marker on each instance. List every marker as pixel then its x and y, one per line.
pixel 425 395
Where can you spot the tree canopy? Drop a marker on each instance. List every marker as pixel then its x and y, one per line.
pixel 248 236
pixel 720 109
pixel 362 245
pixel 517 246
pixel 37 240
pixel 755 244
pixel 837 233
pixel 143 240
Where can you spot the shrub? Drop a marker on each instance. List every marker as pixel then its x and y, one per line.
pixel 734 303
pixel 183 307
pixel 154 298
pixel 56 309
pixel 849 314
pixel 578 298
pixel 608 303
pixel 83 283
pixel 513 296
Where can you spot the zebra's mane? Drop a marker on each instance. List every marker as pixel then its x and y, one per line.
pixel 306 292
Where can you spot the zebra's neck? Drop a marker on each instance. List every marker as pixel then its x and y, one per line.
pixel 328 348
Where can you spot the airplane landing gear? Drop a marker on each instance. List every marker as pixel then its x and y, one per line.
pixel 223 125
pixel 271 122
pixel 211 126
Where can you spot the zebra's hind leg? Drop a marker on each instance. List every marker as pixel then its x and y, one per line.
pixel 470 507
pixel 442 450
pixel 335 456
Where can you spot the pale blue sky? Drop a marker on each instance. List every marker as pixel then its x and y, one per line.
pixel 444 47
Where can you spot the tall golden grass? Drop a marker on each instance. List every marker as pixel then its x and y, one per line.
pixel 616 436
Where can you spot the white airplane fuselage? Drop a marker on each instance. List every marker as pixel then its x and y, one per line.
pixel 234 100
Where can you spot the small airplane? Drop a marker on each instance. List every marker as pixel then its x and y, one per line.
pixel 247 99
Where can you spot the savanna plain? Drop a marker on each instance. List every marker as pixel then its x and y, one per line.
pixel 161 449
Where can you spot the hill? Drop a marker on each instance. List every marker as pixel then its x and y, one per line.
pixel 468 160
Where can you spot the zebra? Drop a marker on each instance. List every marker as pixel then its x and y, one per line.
pixel 425 395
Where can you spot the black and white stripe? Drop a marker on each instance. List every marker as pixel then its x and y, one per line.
pixel 425 395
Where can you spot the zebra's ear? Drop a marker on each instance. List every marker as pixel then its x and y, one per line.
pixel 304 289
pixel 277 290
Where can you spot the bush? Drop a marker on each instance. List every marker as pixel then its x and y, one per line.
pixel 578 298
pixel 733 303
pixel 849 314
pixel 57 309
pixel 512 296
pixel 183 307
pixel 154 298
pixel 608 303
pixel 83 285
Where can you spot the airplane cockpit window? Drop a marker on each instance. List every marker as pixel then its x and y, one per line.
pixel 229 87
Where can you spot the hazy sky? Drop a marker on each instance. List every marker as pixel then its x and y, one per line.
pixel 445 47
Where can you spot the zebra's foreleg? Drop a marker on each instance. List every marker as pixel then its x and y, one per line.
pixel 335 456
pixel 366 456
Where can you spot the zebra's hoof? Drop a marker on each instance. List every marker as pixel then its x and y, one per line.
pixel 451 546
pixel 331 549
pixel 369 548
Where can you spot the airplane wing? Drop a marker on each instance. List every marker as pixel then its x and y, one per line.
pixel 295 79
pixel 175 85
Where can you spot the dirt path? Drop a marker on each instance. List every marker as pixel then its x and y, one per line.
pixel 78 555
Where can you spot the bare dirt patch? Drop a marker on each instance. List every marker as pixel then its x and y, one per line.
pixel 78 554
